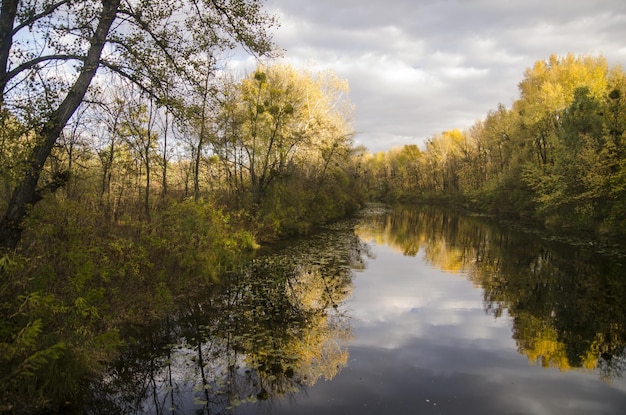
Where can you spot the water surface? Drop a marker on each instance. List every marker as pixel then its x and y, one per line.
pixel 405 311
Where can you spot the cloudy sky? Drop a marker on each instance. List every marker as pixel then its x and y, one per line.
pixel 418 67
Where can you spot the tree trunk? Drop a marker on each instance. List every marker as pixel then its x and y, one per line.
pixel 164 175
pixel 25 194
pixel 7 20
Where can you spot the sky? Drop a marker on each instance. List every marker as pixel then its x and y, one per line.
pixel 420 67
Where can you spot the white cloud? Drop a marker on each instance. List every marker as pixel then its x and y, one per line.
pixel 419 67
pixel 400 299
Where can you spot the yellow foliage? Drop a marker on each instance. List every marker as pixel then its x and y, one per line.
pixel 539 343
pixel 549 85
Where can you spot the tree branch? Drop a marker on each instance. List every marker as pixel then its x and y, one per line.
pixel 25 193
pixel 145 27
pixel 33 62
pixel 46 12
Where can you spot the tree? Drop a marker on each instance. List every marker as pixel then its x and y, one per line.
pixel 138 129
pixel 443 152
pixel 548 89
pixel 557 155
pixel 50 52
pixel 278 122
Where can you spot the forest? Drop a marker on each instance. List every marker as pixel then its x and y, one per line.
pixel 136 168
pixel 556 157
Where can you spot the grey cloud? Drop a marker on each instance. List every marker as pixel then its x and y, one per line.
pixel 418 67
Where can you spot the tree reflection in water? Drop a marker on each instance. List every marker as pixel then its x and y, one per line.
pixel 278 326
pixel 261 334
pixel 567 302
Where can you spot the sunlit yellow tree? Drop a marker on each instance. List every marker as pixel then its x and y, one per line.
pixel 284 139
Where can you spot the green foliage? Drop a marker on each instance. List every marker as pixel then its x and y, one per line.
pixel 26 349
pixel 64 307
pixel 197 240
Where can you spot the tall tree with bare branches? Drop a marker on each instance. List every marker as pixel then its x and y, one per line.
pixel 51 50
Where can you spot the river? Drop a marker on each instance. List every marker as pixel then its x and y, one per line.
pixel 399 311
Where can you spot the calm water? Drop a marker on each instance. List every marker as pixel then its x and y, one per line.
pixel 405 311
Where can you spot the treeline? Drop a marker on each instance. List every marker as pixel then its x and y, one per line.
pixel 557 156
pixel 275 146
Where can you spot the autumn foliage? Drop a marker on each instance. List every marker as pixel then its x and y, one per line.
pixel 556 156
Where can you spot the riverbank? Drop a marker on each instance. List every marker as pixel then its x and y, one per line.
pixel 597 237
pixel 69 294
pixel 387 301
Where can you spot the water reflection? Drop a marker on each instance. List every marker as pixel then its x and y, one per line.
pixel 441 320
pixel 567 304
pixel 261 335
